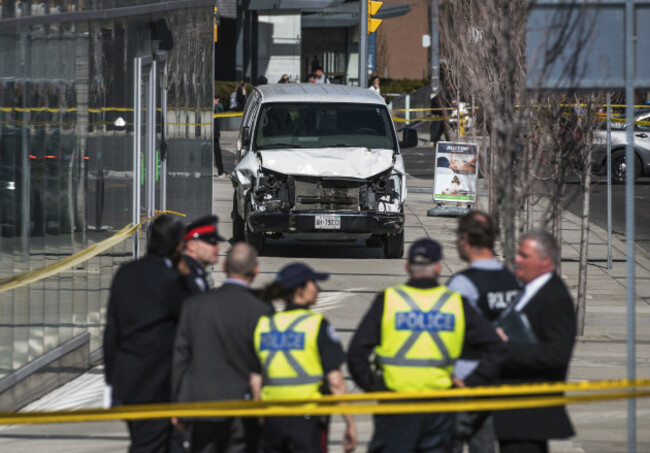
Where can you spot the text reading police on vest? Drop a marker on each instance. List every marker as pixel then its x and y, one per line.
pixel 419 321
pixel 282 341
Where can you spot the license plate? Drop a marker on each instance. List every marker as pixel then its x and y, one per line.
pixel 328 222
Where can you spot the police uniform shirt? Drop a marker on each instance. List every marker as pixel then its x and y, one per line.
pixel 497 277
pixel 329 344
pixel 499 287
pixel 198 280
pixel 479 333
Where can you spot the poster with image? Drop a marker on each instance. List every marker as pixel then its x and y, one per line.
pixel 456 172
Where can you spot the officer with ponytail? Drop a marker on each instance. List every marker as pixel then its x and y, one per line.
pixel 300 355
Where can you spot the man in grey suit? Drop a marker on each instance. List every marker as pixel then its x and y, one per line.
pixel 214 353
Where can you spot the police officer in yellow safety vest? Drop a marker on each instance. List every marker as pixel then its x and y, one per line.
pixel 300 356
pixel 416 332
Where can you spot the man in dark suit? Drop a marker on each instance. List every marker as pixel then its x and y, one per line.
pixel 214 353
pixel 547 304
pixel 143 310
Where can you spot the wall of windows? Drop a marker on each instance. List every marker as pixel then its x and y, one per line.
pixel 93 113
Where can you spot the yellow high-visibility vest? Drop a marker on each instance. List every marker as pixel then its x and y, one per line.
pixel 422 332
pixel 287 347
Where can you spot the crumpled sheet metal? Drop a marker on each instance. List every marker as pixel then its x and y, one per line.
pixel 246 170
pixel 353 163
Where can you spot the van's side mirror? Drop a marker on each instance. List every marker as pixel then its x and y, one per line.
pixel 246 135
pixel 409 138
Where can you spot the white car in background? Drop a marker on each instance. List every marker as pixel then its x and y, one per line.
pixel 619 142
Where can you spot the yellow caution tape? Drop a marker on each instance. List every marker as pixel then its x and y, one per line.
pixel 73 260
pixel 432 109
pixel 501 390
pixel 228 114
pixel 167 211
pixel 424 118
pixel 329 405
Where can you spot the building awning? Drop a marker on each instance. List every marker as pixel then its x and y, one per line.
pixel 347 14
pixel 302 5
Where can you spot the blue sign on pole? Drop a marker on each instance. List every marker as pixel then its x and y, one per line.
pixel 372 52
pixel 592 57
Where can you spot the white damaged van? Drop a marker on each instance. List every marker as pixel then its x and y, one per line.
pixel 319 162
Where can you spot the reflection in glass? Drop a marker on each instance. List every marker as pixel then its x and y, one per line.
pixel 67 165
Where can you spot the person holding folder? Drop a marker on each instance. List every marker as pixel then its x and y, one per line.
pixel 548 307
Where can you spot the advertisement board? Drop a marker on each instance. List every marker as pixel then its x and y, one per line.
pixel 456 172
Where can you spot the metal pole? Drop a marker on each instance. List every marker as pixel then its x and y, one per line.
pixel 629 217
pixel 407 107
pixel 435 64
pixel 137 134
pixel 25 198
pixel 363 43
pixel 473 116
pixel 609 180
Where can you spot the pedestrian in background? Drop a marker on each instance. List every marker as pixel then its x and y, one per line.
pixel 489 288
pixel 300 356
pixel 218 158
pixel 262 80
pixel 320 75
pixel 201 250
pixel 311 78
pixel 284 79
pixel 240 96
pixel 214 354
pixel 416 332
pixel 143 310
pixel 374 85
pixel 548 306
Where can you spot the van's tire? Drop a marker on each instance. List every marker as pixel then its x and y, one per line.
pixel 238 224
pixel 394 245
pixel 255 239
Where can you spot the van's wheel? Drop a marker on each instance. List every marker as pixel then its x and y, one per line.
pixel 394 245
pixel 238 224
pixel 253 238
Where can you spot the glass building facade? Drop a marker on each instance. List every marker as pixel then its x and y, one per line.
pixel 105 117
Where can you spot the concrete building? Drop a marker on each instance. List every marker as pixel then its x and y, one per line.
pixel 271 38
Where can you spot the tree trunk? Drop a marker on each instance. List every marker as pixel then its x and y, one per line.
pixel 492 165
pixel 584 247
pixel 556 200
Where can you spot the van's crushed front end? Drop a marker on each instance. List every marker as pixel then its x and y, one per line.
pixel 322 171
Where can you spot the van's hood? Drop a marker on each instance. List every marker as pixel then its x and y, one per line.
pixel 355 163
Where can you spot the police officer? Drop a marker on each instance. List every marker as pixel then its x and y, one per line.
pixel 417 331
pixel 300 354
pixel 201 250
pixel 490 288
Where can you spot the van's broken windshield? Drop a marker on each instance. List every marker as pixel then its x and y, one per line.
pixel 323 125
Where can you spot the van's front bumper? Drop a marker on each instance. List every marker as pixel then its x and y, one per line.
pixel 305 222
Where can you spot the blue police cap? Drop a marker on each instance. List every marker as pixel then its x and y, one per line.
pixel 295 274
pixel 425 251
